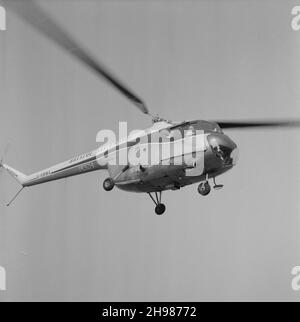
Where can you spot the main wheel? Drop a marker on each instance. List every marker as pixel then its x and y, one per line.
pixel 108 184
pixel 204 188
pixel 160 209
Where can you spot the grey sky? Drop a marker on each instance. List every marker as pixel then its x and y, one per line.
pixel 70 240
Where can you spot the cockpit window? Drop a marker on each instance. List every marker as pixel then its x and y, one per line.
pixel 217 128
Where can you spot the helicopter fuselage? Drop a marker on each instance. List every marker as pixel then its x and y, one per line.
pixel 206 160
pixel 197 166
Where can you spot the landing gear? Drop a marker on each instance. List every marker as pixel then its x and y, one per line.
pixel 160 207
pixel 204 188
pixel 108 184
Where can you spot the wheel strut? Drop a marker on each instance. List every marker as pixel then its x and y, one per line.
pixel 160 207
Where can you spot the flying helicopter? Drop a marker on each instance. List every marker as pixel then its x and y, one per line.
pixel 217 153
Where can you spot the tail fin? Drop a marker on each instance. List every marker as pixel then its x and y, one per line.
pixel 17 175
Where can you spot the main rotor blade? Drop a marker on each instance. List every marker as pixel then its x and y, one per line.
pixel 254 124
pixel 36 17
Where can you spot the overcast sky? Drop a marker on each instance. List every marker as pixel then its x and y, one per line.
pixel 71 240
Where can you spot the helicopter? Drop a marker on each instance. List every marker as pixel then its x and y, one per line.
pixel 216 154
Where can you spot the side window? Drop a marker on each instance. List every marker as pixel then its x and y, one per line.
pixel 175 135
pixel 189 131
pixel 166 136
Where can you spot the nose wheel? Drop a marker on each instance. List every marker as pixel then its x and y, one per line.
pixel 204 188
pixel 156 198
